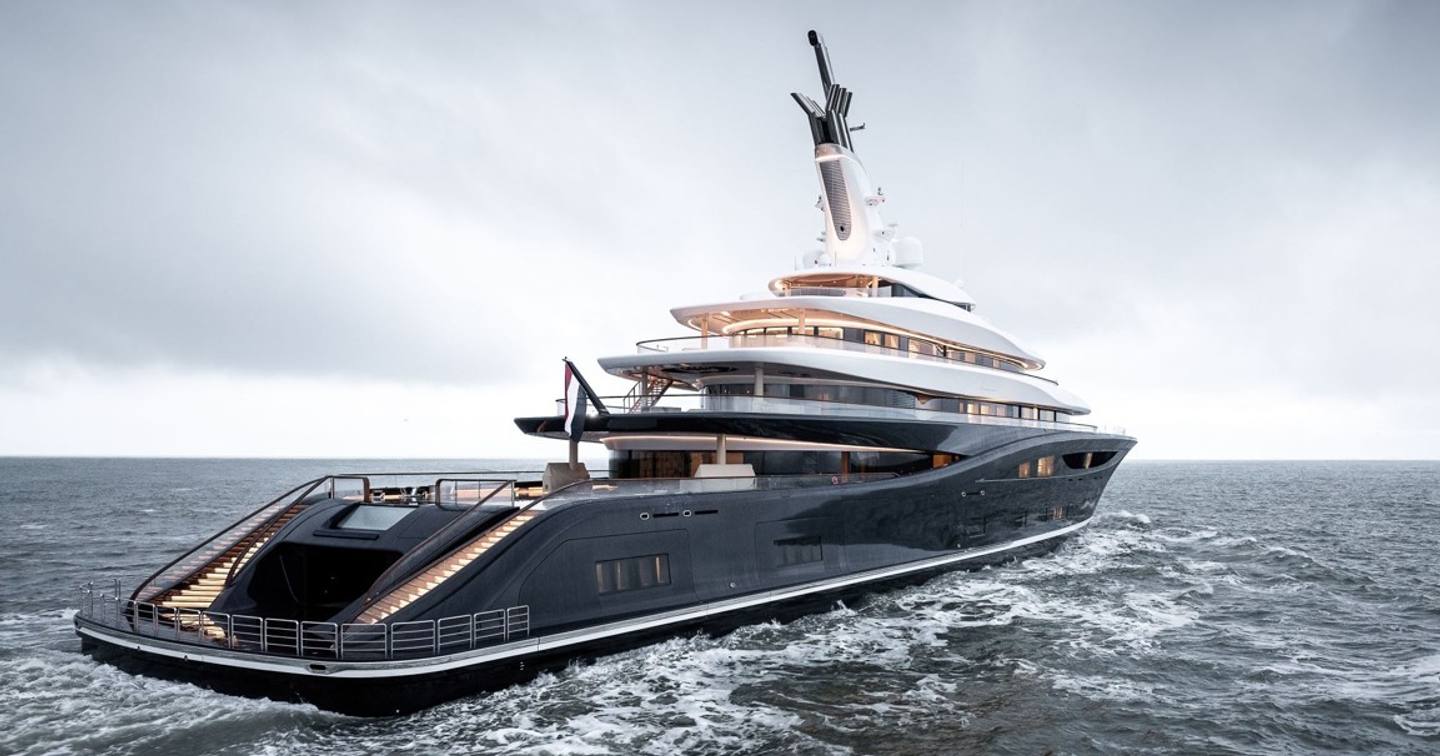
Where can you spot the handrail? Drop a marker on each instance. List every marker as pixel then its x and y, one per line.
pixel 373 593
pixel 426 473
pixel 237 531
pixel 372 597
pixel 225 531
pixel 298 500
pixel 304 639
pixel 707 343
pixel 775 404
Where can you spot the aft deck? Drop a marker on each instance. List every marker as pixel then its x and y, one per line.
pixel 171 606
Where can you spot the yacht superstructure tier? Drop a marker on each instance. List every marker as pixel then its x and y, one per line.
pixel 858 425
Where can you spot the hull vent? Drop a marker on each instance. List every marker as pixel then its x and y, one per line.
pixel 836 196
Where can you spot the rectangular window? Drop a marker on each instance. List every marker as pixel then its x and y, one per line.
pixel 872 338
pixel 805 550
pixel 830 333
pixel 892 341
pixel 1044 467
pixel 1024 471
pixel 632 574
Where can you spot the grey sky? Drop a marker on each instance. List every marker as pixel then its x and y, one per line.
pixel 220 224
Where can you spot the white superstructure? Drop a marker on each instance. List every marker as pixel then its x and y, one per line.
pixel 858 314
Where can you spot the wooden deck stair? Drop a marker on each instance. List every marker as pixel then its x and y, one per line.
pixel 411 590
pixel 200 591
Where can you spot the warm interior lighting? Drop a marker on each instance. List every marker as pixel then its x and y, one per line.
pixel 687 442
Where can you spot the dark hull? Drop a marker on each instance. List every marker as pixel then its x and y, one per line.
pixel 407 694
pixel 727 566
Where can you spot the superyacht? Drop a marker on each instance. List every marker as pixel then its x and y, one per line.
pixel 856 426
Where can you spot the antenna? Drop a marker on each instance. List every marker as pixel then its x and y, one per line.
pixel 827 123
pixel 822 58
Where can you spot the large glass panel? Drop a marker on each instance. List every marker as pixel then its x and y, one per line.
pixel 367 517
pixel 893 462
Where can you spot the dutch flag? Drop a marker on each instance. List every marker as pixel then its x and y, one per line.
pixel 574 403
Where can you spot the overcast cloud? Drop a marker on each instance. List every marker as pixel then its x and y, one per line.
pixel 360 229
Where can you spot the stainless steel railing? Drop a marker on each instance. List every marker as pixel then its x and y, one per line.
pixel 780 405
pixel 967 358
pixel 278 636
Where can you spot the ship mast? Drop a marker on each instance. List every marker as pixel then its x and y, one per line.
pixel 855 233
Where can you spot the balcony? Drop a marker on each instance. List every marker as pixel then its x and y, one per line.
pixel 917 349
pixel 771 405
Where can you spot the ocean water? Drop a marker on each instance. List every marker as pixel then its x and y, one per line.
pixel 1210 608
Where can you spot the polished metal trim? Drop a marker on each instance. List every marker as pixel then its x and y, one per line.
pixel 430 665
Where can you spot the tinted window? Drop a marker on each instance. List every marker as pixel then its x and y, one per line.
pixel 800 550
pixel 632 574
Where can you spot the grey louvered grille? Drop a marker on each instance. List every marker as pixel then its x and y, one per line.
pixel 835 194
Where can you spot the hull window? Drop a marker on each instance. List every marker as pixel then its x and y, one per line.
pixel 632 574
pixel 800 551
pixel 1043 467
pixel 1087 460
